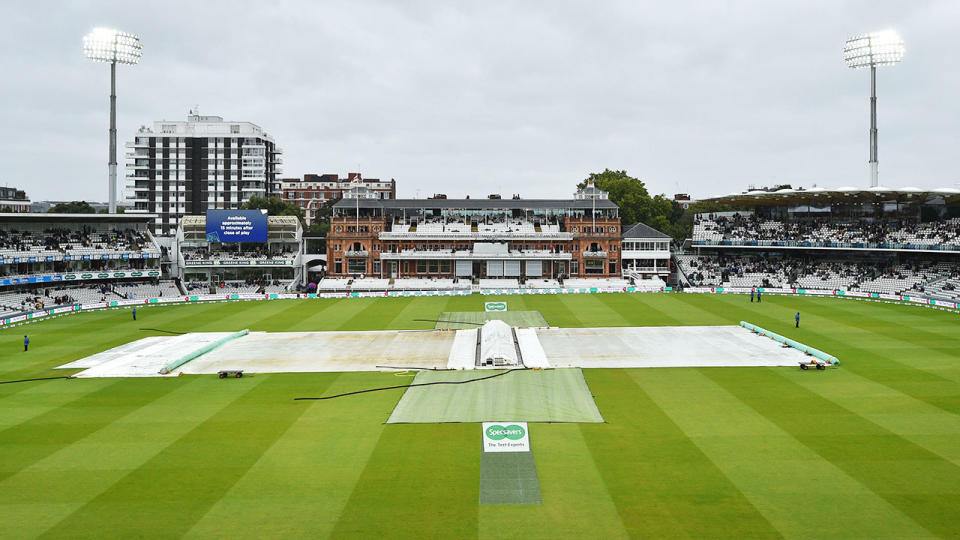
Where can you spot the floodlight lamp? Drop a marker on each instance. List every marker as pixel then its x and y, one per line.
pixel 108 45
pixel 882 48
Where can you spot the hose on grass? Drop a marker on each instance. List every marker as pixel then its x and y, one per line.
pixel 165 331
pixel 37 379
pixel 501 374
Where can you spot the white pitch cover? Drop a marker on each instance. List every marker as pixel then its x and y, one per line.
pixel 506 437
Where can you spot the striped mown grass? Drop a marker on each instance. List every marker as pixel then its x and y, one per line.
pixel 869 449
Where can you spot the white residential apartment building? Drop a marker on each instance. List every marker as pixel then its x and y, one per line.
pixel 182 168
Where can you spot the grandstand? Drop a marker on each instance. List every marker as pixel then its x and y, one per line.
pixel 275 264
pixel 876 240
pixel 46 256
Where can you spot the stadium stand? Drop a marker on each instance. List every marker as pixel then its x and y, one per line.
pixel 798 272
pixel 751 229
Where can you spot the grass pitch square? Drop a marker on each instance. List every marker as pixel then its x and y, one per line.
pixel 459 320
pixel 554 395
pixel 509 478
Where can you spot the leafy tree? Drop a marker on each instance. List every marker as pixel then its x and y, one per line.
pixel 631 195
pixel 6 209
pixel 73 207
pixel 322 227
pixel 325 212
pixel 638 206
pixel 120 210
pixel 274 207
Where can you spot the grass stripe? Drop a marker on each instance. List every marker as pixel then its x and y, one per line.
pixel 27 443
pixel 797 490
pixel 94 463
pixel 308 473
pixel 915 420
pixel 421 481
pixel 213 455
pixel 571 486
pixel 919 483
pixel 661 483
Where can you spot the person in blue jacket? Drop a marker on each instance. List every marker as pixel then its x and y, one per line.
pixel 134 313
pixel 26 343
pixel 796 318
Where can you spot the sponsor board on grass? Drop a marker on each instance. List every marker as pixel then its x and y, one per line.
pixel 495 306
pixel 506 437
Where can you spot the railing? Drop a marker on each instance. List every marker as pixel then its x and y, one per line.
pixel 599 254
pixel 356 253
pixel 473 256
pixel 468 235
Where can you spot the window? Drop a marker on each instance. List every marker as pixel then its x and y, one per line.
pixel 444 267
pixel 234 128
pixel 433 266
pixel 357 266
pixel 593 266
pixel 337 266
pixel 613 266
pixel 421 267
pixel 168 128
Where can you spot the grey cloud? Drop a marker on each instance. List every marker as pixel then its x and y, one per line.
pixel 471 98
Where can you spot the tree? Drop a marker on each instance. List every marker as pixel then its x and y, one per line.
pixel 73 207
pixel 325 212
pixel 120 210
pixel 6 209
pixel 631 195
pixel 322 227
pixel 274 207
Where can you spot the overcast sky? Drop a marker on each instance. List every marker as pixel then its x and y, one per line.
pixel 489 96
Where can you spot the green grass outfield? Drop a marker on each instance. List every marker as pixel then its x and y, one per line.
pixel 869 449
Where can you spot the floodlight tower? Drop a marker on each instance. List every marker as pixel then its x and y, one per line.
pixel 114 47
pixel 883 48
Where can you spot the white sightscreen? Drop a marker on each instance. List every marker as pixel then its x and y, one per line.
pixel 534 268
pixel 511 268
pixel 464 268
pixel 494 268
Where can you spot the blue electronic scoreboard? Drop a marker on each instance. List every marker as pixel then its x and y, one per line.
pixel 236 225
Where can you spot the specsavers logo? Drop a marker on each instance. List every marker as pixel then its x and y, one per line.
pixel 513 432
pixel 496 306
